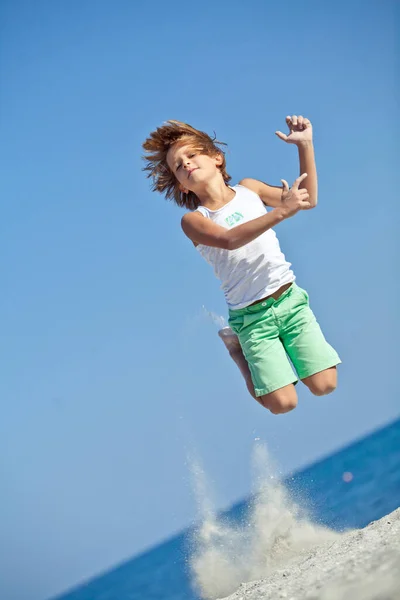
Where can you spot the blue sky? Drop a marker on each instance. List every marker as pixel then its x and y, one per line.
pixel 112 375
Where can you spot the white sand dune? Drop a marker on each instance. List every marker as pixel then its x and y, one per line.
pixel 358 565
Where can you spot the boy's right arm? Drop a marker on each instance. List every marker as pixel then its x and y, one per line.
pixel 204 231
pixel 201 230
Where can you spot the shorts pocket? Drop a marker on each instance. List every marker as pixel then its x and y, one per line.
pixel 303 294
pixel 235 322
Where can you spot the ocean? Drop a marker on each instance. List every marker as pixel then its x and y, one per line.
pixel 347 490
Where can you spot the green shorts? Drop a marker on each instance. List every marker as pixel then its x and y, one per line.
pixel 273 330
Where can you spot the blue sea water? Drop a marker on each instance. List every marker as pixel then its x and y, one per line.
pixel 351 488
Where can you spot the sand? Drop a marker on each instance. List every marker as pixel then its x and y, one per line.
pixel 360 565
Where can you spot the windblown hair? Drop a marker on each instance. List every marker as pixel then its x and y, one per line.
pixel 157 145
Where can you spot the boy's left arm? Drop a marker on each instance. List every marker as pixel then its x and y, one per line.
pixel 300 134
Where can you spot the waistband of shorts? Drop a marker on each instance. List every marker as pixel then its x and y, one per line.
pixel 263 304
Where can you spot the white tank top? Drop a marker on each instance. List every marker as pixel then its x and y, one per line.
pixel 255 270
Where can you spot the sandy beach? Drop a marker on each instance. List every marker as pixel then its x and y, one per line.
pixel 362 564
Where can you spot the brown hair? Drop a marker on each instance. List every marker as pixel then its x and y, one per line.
pixel 157 146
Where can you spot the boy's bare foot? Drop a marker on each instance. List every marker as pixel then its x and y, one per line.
pixel 234 348
pixel 230 339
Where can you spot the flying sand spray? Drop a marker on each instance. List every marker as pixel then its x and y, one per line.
pixel 274 530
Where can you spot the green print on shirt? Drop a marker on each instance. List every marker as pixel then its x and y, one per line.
pixel 234 218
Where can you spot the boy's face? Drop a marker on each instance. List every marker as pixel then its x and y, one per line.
pixel 191 168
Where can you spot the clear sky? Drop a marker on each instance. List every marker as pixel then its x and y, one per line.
pixel 111 373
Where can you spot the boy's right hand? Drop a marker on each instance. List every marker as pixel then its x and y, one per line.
pixel 294 199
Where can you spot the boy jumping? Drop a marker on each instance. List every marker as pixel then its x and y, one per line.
pixel 269 315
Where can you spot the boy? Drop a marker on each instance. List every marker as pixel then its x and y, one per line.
pixel 269 315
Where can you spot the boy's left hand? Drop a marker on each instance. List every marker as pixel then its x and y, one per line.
pixel 300 131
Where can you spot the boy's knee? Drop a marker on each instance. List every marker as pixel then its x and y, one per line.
pixel 323 389
pixel 280 401
pixel 280 408
pixel 322 383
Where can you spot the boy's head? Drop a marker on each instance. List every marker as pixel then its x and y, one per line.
pixel 180 159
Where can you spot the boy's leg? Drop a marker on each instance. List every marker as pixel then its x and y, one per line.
pixel 279 401
pixel 322 383
pixel 313 358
